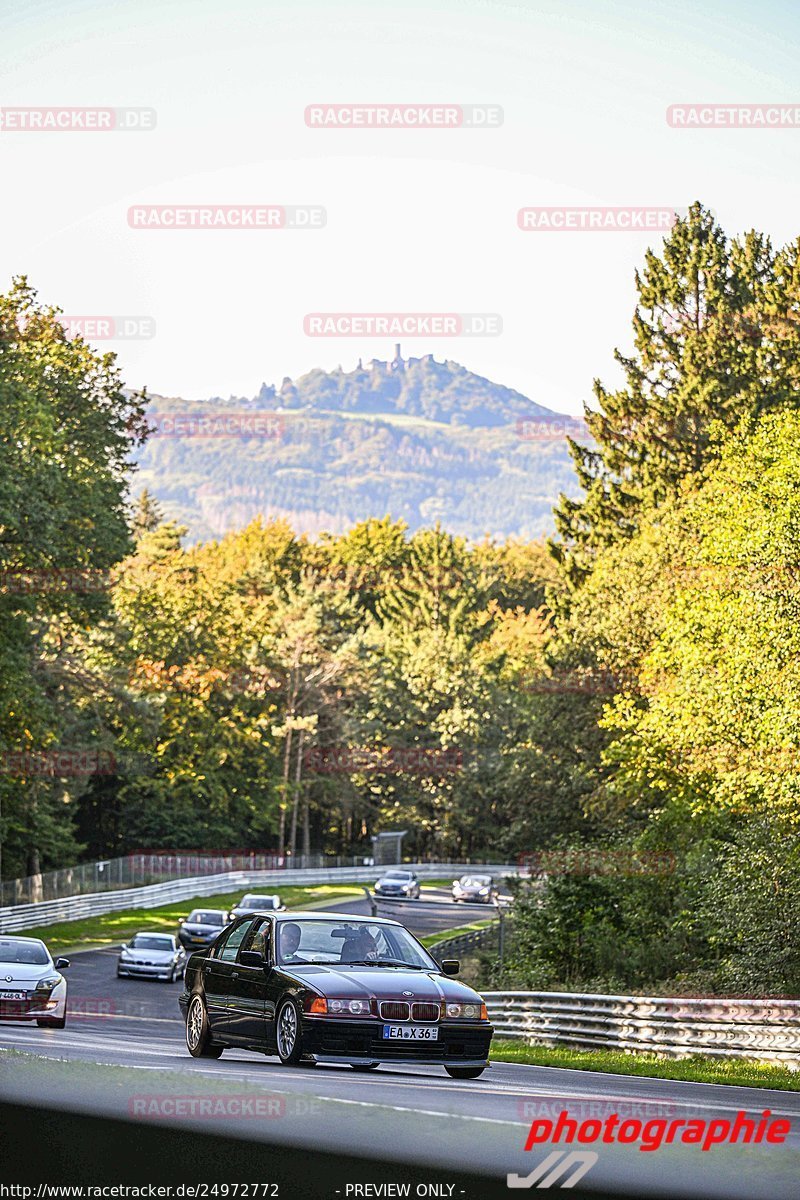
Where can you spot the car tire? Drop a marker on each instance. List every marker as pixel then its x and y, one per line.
pixel 364 1066
pixel 198 1033
pixel 288 1034
pixel 464 1072
pixel 52 1022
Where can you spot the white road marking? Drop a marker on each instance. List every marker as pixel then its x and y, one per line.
pixel 424 1112
pixel 172 1052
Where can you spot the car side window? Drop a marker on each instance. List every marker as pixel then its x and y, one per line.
pixel 230 947
pixel 258 939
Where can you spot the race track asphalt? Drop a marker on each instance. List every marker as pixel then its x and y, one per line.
pixel 123 1052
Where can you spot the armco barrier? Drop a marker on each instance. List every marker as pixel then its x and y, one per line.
pixel 762 1030
pixel 75 908
pixel 479 939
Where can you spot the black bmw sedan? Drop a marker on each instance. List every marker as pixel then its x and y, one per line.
pixel 323 987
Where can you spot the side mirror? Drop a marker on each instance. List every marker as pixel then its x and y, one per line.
pixel 182 921
pixel 450 966
pixel 251 958
pixel 62 964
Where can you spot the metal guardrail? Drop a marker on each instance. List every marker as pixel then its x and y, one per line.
pixel 677 1027
pixel 479 939
pixel 75 908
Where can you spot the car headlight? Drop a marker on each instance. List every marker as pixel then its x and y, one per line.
pixel 47 985
pixel 340 1008
pixel 467 1012
pixel 484 891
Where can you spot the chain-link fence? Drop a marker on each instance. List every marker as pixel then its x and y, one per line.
pixel 139 870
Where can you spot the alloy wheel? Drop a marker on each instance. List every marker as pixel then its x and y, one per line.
pixel 287 1030
pixel 194 1023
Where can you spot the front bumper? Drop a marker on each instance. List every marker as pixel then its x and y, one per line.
pixel 140 971
pixel 32 1008
pixel 331 1039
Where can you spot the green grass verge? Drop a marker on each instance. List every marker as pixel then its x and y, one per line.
pixel 113 928
pixel 431 939
pixel 116 927
pixel 697 1069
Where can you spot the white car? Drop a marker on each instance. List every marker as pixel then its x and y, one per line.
pixel 252 903
pixel 32 987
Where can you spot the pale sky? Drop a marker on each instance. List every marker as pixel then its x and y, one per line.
pixel 417 220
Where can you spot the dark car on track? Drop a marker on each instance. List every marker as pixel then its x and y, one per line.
pixel 201 927
pixel 328 987
pixel 403 885
pixel 475 889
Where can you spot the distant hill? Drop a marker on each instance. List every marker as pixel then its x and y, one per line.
pixel 417 387
pixel 418 439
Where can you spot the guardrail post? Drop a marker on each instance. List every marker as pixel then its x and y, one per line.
pixel 501 933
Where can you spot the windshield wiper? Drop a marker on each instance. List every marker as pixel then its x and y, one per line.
pixel 383 962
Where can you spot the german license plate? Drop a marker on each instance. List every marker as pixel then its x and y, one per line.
pixel 13 996
pixel 411 1033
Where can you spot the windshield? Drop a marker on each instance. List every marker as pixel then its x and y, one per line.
pixel 397 875
pixel 350 942
pixel 201 917
pixel 256 902
pixel 150 941
pixel 21 950
pixel 476 881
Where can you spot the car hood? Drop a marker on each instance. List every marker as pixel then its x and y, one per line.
pixel 151 956
pixel 387 983
pixel 23 973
